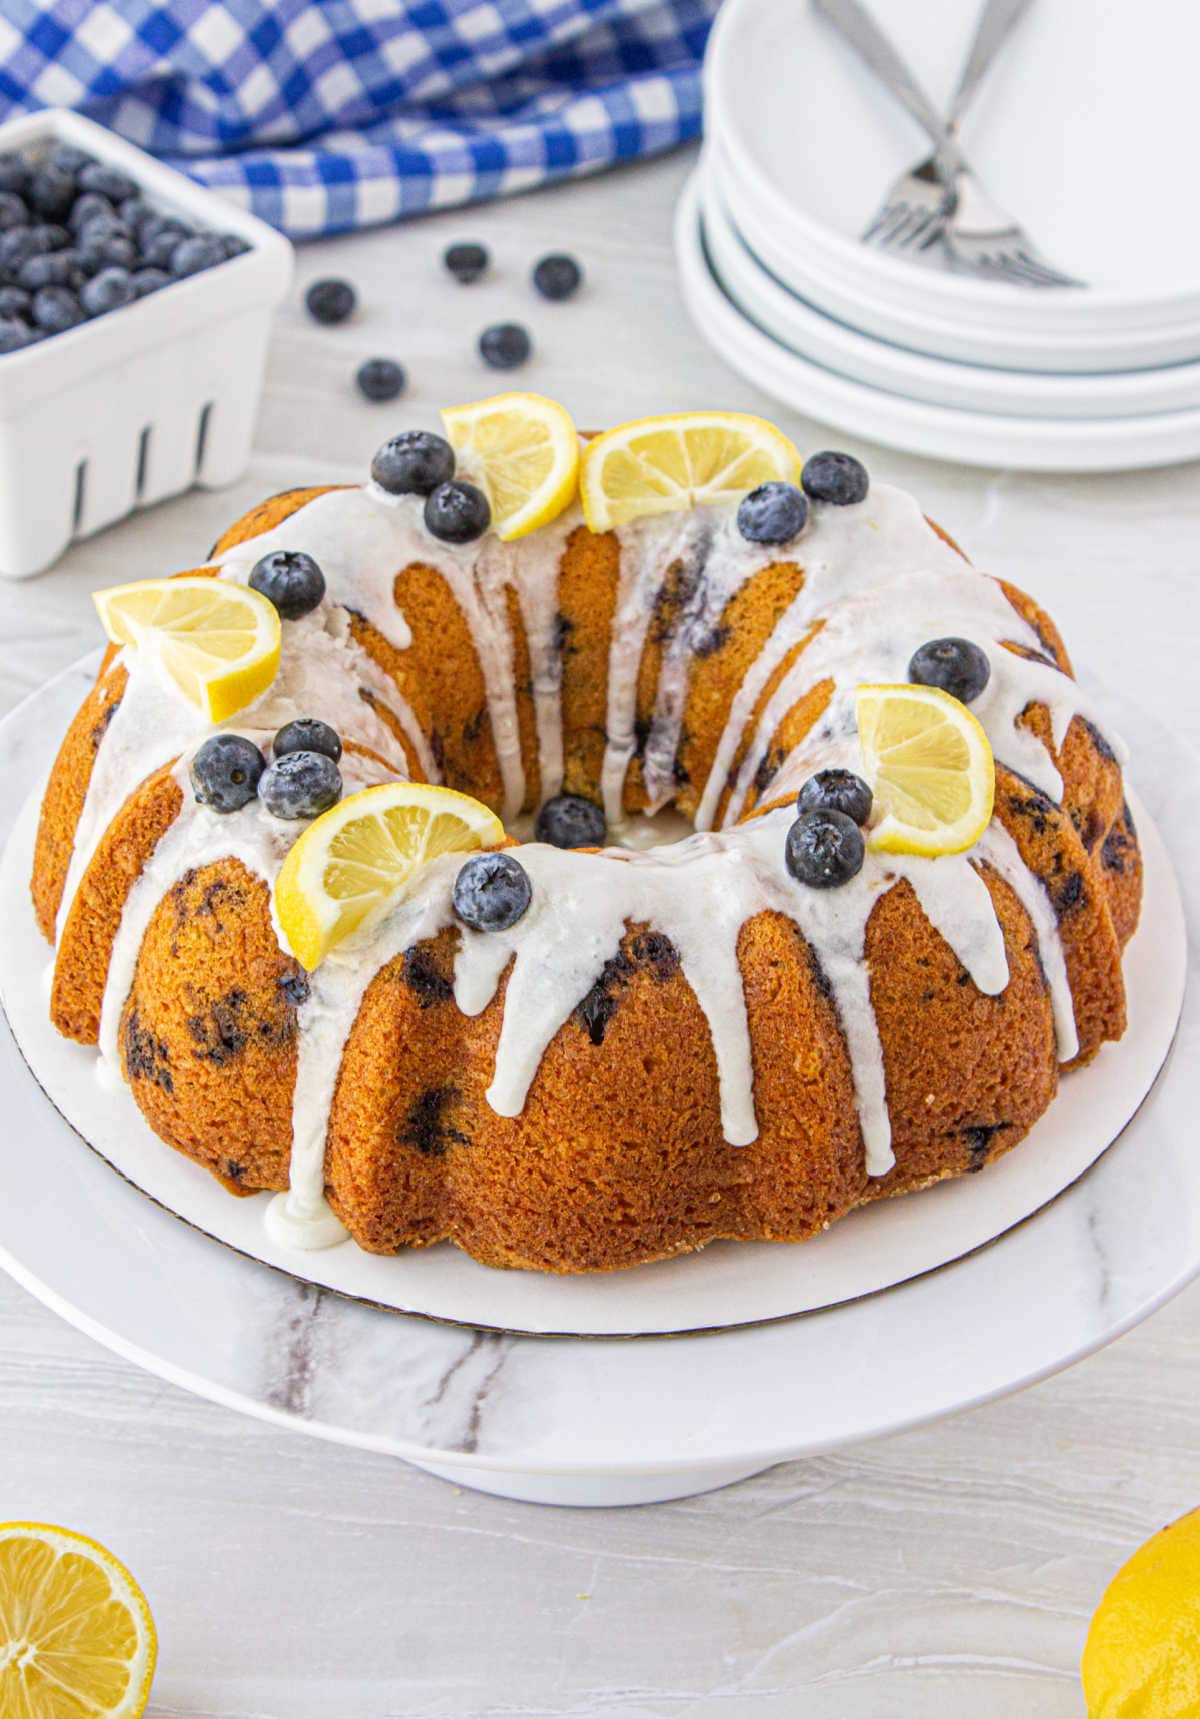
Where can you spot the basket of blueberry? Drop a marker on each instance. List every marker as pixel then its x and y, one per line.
pixel 135 310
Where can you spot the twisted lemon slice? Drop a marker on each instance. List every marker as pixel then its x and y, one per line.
pixel 930 768
pixel 356 859
pixel 661 465
pixel 523 452
pixel 218 641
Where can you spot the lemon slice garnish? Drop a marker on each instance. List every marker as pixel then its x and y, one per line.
pixel 523 452
pixel 76 1635
pixel 218 641
pixel 930 768
pixel 689 459
pixel 355 860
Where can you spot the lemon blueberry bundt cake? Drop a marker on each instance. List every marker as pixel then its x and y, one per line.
pixel 277 852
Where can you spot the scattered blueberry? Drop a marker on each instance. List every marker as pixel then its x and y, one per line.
pixel 13 211
pixel 300 785
pixel 330 300
pixel 14 301
pixel 14 173
pixel 505 346
pixel 839 479
pixel 55 309
pixel 225 772
pixel 108 290
pixel 557 277
pixel 51 268
pixel 824 849
pixel 772 513
pixel 955 665
pixel 15 334
pixel 381 379
pixel 570 821
pixel 491 892
pixel 413 463
pixel 836 791
pixel 193 256
pixel 307 734
pixel 108 181
pixel 466 262
pixel 457 512
pixel 146 281
pixel 51 191
pixel 291 580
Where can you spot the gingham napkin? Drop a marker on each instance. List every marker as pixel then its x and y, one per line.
pixel 323 115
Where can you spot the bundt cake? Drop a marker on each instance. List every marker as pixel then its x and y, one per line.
pixel 743 1033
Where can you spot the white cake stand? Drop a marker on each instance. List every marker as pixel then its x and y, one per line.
pixel 601 1421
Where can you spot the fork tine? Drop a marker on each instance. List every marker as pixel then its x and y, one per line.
pixel 888 223
pixel 1050 276
pixel 884 216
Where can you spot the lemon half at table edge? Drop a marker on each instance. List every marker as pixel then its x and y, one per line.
pixel 937 758
pixel 523 452
pixel 356 859
pixel 123 1591
pixel 217 640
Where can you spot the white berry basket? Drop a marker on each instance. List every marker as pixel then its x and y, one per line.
pixel 142 402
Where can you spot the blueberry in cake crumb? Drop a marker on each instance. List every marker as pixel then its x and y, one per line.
pixel 457 512
pixel 330 300
pixel 837 479
pixel 491 892
pixel 955 666
pixel 381 379
pixel 307 734
pixel 466 262
pixel 836 791
pixel 824 849
pixel 291 580
pixel 505 346
pixel 413 463
pixel 300 785
pixel 557 276
pixel 225 772
pixel 570 821
pixel 772 513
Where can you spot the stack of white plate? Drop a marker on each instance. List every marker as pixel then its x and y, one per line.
pixel 1087 129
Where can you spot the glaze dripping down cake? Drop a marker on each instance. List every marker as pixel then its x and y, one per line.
pixel 667 1044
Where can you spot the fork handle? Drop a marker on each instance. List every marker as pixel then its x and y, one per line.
pixel 858 28
pixel 996 22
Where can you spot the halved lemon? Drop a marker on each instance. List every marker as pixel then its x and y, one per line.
pixel 76 1635
pixel 218 641
pixel 357 858
pixel 523 452
pixel 660 465
pixel 930 768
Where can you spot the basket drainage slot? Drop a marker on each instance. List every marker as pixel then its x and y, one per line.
pixel 80 498
pixel 202 436
pixel 143 464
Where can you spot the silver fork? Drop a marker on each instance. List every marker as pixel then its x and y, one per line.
pixel 914 213
pixel 989 241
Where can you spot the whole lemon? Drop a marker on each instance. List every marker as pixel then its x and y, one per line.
pixel 1142 1655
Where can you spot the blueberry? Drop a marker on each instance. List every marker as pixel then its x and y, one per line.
pixel 557 277
pixel 381 379
pixel 225 772
pixel 291 580
pixel 491 892
pixel 106 251
pixel 15 334
pixel 413 463
pixel 505 346
pixel 300 785
pixel 824 849
pixel 51 268
pixel 836 791
pixel 330 300
pixel 193 256
pixel 15 301
pixel 955 665
pixel 839 479
pixel 772 513
pixel 14 173
pixel 457 512
pixel 307 734
pixel 569 821
pixel 70 158
pixel 13 212
pixel 133 210
pixel 466 262
pixel 160 245
pixel 51 191
pixel 146 281
pixel 108 290
pixel 55 308
pixel 108 181
pixel 90 207
pixel 48 236
pixel 232 245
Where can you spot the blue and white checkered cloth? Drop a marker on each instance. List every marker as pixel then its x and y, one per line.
pixel 324 115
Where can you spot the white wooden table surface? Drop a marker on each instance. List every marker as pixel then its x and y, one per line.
pixel 950 1570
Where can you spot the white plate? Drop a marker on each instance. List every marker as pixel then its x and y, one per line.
pixel 971 438
pixel 879 364
pixel 603 1421
pixel 1087 128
